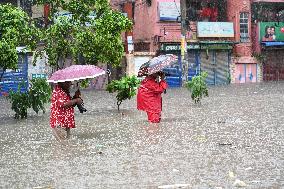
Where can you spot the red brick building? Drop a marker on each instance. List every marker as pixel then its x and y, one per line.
pixel 223 37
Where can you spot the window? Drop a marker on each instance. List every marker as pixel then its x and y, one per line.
pixel 244 21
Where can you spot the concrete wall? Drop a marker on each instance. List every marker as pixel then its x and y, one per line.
pixel 149 28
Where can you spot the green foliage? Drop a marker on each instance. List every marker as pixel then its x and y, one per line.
pixel 20 103
pixel 16 29
pixel 8 56
pixel 198 87
pixel 99 41
pixel 84 83
pixel 125 88
pixel 39 94
pixel 36 97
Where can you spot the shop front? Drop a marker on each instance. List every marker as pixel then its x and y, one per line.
pixel 212 57
pixel 174 73
pixel 215 59
pixel 273 65
pixel 271 37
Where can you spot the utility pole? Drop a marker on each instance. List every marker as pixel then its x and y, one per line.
pixel 183 48
pixel 129 46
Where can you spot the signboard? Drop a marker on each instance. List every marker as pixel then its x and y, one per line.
pixel 176 47
pixel 68 16
pixel 40 69
pixel 215 29
pixel 130 46
pixel 271 31
pixel 169 11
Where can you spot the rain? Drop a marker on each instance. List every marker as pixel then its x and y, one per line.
pixel 233 139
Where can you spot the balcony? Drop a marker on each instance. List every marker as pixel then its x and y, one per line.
pixel 204 10
pixel 267 11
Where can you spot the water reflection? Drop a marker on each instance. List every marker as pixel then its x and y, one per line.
pixel 136 154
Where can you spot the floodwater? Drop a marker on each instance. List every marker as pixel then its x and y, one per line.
pixel 234 138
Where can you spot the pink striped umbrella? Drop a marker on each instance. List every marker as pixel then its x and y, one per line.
pixel 76 72
pixel 157 64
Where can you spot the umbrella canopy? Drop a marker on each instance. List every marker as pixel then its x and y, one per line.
pixel 76 72
pixel 157 64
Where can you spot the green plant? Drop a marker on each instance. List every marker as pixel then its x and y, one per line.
pixel 198 87
pixel 85 83
pixel 125 88
pixel 35 98
pixel 16 29
pixel 20 103
pixel 39 94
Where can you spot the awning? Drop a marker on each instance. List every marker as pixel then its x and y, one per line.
pixel 273 43
pixel 218 42
pixel 268 1
pixel 225 45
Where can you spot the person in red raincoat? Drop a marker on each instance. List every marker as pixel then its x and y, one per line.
pixel 149 97
pixel 62 110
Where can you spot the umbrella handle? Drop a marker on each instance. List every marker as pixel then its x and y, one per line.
pixel 77 93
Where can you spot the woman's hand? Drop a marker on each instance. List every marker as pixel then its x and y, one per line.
pixel 79 101
pixel 77 94
pixel 163 75
pixel 72 102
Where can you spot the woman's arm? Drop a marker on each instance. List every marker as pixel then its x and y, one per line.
pixel 72 102
pixel 157 87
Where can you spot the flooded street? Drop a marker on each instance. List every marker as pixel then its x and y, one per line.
pixel 237 133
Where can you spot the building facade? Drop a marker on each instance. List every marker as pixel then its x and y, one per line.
pixel 268 37
pixel 223 38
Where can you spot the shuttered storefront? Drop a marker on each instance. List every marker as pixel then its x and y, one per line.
pixel 222 62
pixel 193 64
pixel 216 64
pixel 208 65
pixel 273 66
pixel 215 61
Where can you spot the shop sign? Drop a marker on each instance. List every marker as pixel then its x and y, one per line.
pixel 176 47
pixel 271 31
pixel 217 46
pixel 169 11
pixel 215 29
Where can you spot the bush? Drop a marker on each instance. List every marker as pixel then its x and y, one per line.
pixel 198 87
pixel 20 103
pixel 125 88
pixel 39 94
pixel 36 97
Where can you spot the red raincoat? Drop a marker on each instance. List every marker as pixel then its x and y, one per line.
pixel 149 96
pixel 60 116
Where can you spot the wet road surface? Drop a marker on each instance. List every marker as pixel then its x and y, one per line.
pixel 237 133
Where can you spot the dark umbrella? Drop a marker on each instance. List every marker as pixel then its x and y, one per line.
pixel 157 64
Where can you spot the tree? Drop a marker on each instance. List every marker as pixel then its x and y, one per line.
pixel 16 29
pixel 92 30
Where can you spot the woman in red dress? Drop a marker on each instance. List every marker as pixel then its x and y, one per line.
pixel 149 96
pixel 62 110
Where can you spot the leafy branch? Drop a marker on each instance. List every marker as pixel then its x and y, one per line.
pixel 16 29
pixel 92 30
pixel 125 88
pixel 198 87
